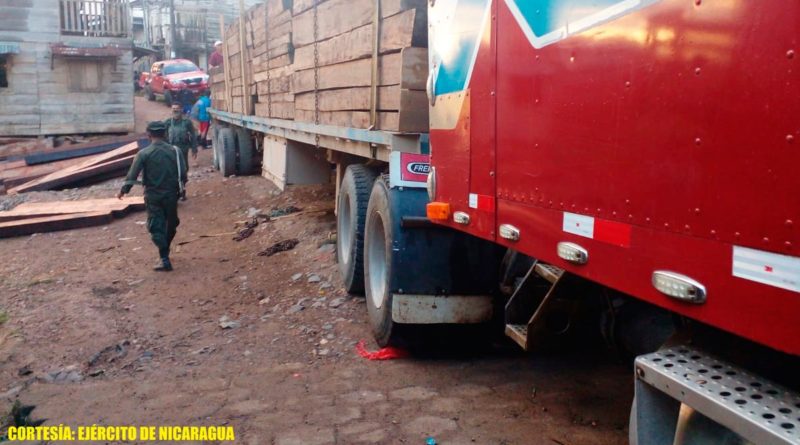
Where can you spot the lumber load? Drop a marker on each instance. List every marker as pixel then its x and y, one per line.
pixel 351 71
pixel 40 217
pixel 272 58
pixel 354 63
pixel 115 162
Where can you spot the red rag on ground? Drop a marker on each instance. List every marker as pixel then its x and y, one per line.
pixel 387 353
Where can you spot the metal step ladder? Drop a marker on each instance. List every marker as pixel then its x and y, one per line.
pixel 530 303
pixel 685 396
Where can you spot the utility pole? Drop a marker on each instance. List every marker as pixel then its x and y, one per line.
pixel 146 22
pixel 172 25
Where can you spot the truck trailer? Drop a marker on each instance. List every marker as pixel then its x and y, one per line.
pixel 624 166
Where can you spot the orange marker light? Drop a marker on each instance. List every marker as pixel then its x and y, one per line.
pixel 438 211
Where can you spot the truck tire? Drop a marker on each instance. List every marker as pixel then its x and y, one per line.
pixel 227 152
pixel 168 98
pixel 353 200
pixel 378 267
pixel 149 93
pixel 245 150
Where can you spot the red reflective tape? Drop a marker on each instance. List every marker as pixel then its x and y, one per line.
pixel 486 203
pixel 612 232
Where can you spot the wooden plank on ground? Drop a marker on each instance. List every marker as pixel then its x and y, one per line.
pixel 117 207
pixel 53 223
pixel 98 164
pixel 81 150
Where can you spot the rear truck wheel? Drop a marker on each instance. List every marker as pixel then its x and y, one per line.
pixel 378 266
pixel 244 146
pixel 149 93
pixel 420 277
pixel 168 98
pixel 353 199
pixel 227 152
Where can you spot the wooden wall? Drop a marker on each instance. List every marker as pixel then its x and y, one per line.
pixel 72 96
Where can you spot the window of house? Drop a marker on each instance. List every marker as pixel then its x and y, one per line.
pixel 85 76
pixel 3 71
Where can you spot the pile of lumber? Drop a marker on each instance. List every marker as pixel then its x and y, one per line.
pixel 351 63
pixel 40 217
pixel 83 170
pixel 333 76
pixel 29 167
pixel 272 56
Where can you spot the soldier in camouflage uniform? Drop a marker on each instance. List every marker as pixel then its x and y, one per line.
pixel 164 175
pixel 182 134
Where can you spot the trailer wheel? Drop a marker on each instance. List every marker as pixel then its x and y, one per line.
pixel 353 200
pixel 227 152
pixel 378 266
pixel 168 98
pixel 245 148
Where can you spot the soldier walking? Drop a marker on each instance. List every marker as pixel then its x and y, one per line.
pixel 182 134
pixel 164 175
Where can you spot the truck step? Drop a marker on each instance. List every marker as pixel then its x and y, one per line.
pixel 518 333
pixel 548 272
pixel 758 410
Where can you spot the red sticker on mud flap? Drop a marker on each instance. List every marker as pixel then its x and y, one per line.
pixel 414 167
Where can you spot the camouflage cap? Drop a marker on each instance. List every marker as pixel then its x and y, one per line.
pixel 156 126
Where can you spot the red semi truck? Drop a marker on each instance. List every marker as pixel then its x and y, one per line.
pixel 621 165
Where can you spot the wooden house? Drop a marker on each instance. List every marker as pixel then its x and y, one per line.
pixel 65 67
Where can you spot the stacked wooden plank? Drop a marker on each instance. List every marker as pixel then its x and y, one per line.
pixel 218 95
pixel 272 56
pixel 334 48
pixel 332 62
pixel 234 67
pixel 103 166
pixel 39 217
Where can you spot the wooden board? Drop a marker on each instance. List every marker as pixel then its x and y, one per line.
pixel 53 223
pixel 408 68
pixel 390 98
pixel 265 98
pixel 388 121
pixel 72 153
pixel 397 32
pixel 117 207
pixel 336 17
pixel 281 110
pixel 39 157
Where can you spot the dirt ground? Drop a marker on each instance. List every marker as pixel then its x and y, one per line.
pixel 93 336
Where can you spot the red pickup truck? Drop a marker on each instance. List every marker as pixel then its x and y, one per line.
pixel 168 77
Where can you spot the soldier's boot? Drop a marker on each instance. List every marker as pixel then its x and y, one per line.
pixel 183 195
pixel 164 266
